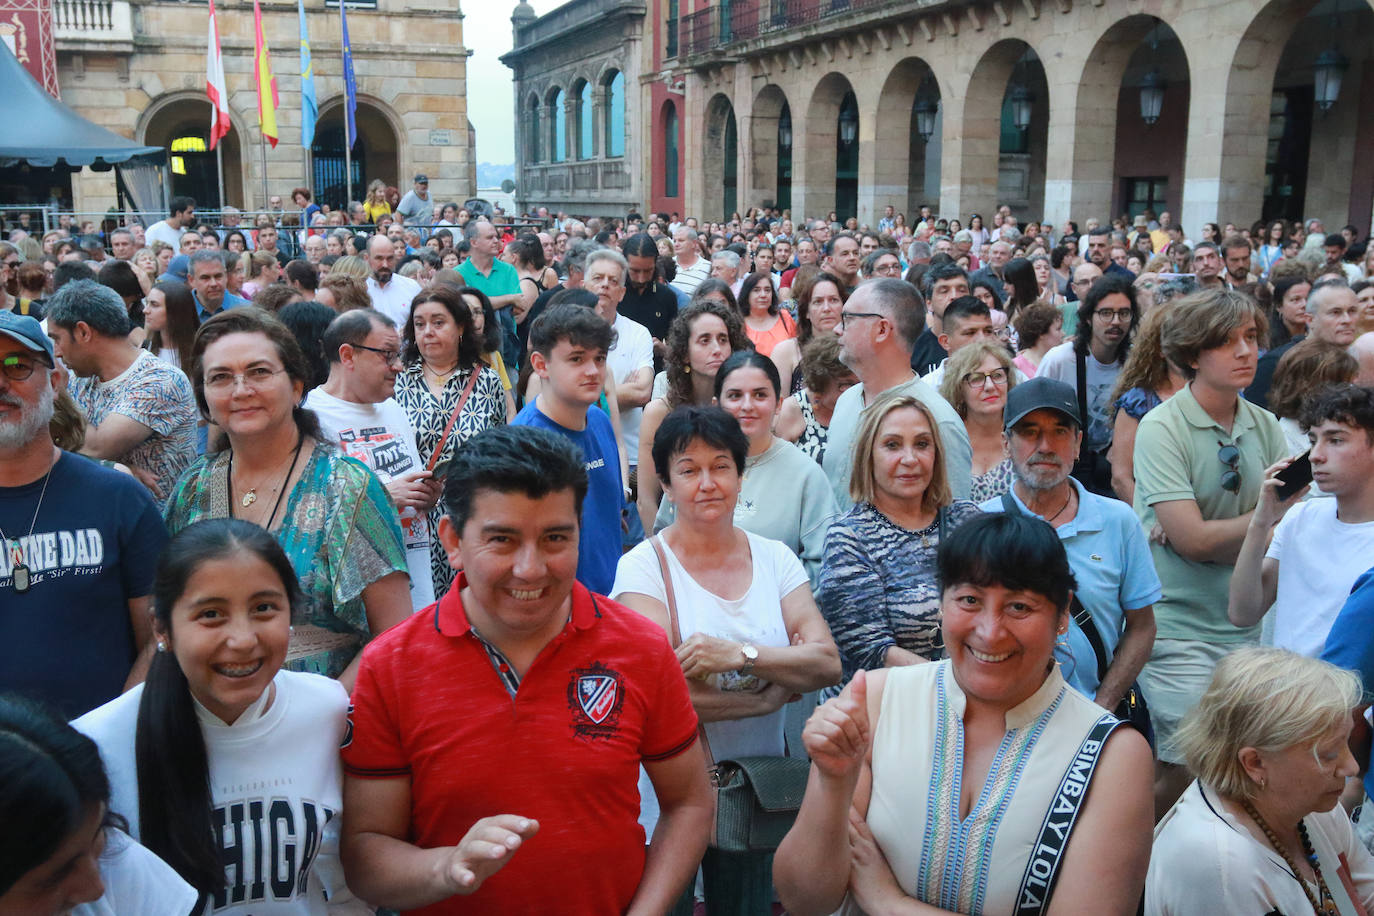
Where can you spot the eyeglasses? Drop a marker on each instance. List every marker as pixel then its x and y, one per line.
pixel 17 368
pixel 845 316
pixel 1229 455
pixel 254 378
pixel 1109 315
pixel 976 380
pixel 388 356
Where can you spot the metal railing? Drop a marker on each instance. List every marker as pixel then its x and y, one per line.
pixel 743 20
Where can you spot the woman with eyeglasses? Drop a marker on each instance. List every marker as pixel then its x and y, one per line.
pixel 1200 458
pixel 329 512
pixel 976 381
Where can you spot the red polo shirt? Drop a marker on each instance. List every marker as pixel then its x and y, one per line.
pixel 605 695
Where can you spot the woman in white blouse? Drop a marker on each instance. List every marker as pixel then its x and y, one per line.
pixel 1262 829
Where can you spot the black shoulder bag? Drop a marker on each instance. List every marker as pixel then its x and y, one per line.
pixel 1092 469
pixel 1132 709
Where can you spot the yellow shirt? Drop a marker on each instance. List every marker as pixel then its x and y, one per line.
pixel 375 211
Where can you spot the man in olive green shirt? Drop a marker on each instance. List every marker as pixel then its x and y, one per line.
pixel 1200 458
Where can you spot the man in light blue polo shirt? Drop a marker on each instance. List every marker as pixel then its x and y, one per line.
pixel 1107 549
pixel 209 284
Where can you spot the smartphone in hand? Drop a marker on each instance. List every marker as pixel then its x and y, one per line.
pixel 1294 477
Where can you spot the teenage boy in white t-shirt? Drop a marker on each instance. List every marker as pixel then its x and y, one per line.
pixel 358 413
pixel 1321 546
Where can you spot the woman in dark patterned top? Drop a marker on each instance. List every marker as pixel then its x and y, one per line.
pixel 442 350
pixel 879 589
pixel 805 417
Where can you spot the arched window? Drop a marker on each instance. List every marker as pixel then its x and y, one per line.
pixel 532 151
pixel 584 122
pixel 670 151
pixel 558 129
pixel 615 115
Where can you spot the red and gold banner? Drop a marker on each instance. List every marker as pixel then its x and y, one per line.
pixel 26 27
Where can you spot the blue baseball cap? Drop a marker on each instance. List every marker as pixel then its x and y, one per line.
pixel 27 331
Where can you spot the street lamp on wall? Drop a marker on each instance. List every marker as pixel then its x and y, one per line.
pixel 1152 88
pixel 1327 70
pixel 925 109
pixel 849 124
pixel 785 130
pixel 1022 99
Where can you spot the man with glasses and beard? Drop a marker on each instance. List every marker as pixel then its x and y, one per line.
pixel 1200 458
pixel 76 572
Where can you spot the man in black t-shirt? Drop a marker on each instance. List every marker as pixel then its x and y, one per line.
pixel 651 303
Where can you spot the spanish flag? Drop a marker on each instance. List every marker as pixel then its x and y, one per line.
pixel 267 83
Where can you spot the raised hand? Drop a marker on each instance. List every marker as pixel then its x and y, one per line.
pixel 837 735
pixel 485 849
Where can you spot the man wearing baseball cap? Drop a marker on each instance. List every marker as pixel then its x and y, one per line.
pixel 416 206
pixel 76 572
pixel 1117 584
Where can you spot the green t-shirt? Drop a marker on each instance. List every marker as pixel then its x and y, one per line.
pixel 501 281
pixel 1176 458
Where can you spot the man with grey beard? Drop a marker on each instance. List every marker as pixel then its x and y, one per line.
pixel 80 546
pixel 1110 558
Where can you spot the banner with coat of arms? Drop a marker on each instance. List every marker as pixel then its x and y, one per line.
pixel 26 27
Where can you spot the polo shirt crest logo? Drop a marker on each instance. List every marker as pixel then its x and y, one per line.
pixel 595 698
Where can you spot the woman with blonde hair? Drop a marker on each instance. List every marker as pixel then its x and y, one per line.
pixel 262 269
pixel 879 589
pixel 1146 381
pixel 350 265
pixel 976 382
pixel 1262 830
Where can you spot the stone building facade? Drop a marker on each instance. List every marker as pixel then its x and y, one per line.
pixel 138 68
pixel 850 105
pixel 579 106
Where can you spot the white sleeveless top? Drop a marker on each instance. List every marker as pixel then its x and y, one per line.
pixel 973 866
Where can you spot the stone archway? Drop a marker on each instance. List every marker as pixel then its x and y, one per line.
pixel 987 167
pixel 721 157
pixel 376 154
pixel 906 167
pixel 821 142
pixel 180 124
pixel 770 158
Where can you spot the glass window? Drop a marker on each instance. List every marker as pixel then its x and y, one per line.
pixel 584 122
pixel 670 153
pixel 615 116
pixel 559 136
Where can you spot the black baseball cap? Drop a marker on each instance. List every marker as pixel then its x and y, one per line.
pixel 1040 394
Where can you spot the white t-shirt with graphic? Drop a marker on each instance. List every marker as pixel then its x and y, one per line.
pixel 1059 364
pixel 381 437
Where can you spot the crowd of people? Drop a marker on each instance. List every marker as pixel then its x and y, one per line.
pixel 390 557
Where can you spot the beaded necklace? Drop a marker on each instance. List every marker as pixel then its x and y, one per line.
pixel 1322 905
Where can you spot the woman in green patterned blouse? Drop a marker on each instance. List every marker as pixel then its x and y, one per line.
pixel 329 512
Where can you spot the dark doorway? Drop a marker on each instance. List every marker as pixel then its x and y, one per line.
pixel 195 173
pixel 731 166
pixel 328 157
pixel 847 159
pixel 784 176
pixel 1285 162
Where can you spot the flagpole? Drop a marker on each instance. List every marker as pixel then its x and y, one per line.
pixel 262 142
pixel 348 128
pixel 219 162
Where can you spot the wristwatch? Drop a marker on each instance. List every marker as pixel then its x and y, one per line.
pixel 751 655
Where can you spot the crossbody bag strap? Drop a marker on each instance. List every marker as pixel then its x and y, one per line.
pixel 1047 854
pixel 1082 376
pixel 1080 613
pixel 675 634
pixel 462 399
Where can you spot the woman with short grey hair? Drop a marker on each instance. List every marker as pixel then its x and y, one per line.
pixel 1262 829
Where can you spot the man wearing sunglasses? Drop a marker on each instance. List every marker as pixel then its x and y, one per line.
pixel 1200 458
pixel 358 413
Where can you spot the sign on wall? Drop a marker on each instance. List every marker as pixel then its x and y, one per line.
pixel 26 27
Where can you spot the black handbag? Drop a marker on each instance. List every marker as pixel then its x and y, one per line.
pixel 757 798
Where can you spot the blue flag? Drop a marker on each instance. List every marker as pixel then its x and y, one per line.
pixel 309 109
pixel 350 84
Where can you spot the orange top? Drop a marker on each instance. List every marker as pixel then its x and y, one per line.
pixel 782 329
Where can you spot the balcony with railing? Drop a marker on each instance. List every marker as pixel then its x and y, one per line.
pixel 733 22
pixel 93 24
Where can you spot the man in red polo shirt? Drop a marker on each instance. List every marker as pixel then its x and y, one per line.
pixel 497 736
